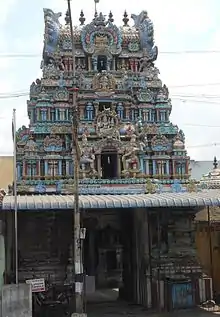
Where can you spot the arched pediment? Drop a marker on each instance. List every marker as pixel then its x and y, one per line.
pixel 104 52
pixel 108 144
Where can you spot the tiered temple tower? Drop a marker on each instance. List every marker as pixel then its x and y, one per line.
pixel 125 134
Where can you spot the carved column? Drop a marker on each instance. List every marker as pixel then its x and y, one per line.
pixel 60 167
pixel 38 168
pixel 136 65
pixel 96 106
pixel 67 114
pixel 141 164
pixel 45 167
pixel 154 167
pixel 94 63
pixel 173 165
pixel 99 167
pixel 119 165
pixel 109 61
pixel 67 168
pixel 113 64
pixel 132 64
pixel 167 167
pixel 48 114
pixel 24 169
pixel 38 114
pixel 81 110
pixel 147 167
pixel 127 111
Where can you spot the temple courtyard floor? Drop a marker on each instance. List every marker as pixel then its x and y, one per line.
pixel 107 306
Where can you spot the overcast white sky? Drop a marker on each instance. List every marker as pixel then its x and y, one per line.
pixel 180 26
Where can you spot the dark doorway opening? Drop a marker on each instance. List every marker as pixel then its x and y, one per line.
pixel 102 63
pixel 109 165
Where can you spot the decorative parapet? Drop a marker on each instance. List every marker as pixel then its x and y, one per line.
pixel 108 187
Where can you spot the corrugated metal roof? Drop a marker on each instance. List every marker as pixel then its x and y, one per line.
pixel 48 202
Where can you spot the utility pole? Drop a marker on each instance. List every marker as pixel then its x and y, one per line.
pixel 77 258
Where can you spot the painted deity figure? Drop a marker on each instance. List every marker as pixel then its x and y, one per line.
pixel 87 160
pixel 144 62
pixel 130 159
pixel 104 82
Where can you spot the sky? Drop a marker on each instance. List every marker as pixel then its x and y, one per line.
pixel 184 31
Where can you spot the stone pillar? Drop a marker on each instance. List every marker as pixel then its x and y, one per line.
pixel 136 65
pixel 159 164
pixel 59 167
pixel 18 171
pixel 99 167
pixel 45 167
pixel 48 114
pixel 142 164
pixel 119 165
pixel 167 167
pixel 147 167
pixel 55 114
pixel 24 169
pixel 81 111
pixel 89 64
pixel 127 111
pixel 154 167
pixel 109 61
pixel 94 64
pixel 174 166
pixel 113 64
pixel 39 114
pixel 67 168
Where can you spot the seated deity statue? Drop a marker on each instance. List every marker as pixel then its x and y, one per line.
pixel 130 159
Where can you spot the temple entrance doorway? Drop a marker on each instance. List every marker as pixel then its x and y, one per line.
pixel 109 164
pixel 108 257
pixel 101 63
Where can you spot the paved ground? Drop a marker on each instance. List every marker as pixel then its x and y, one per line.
pixel 119 309
pixel 105 304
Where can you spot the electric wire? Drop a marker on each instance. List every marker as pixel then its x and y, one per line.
pixel 180 94
pixel 32 55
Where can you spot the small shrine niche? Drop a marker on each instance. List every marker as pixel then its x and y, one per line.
pixel 109 163
pixel 102 63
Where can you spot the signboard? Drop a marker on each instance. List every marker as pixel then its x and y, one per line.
pixel 16 300
pixel 37 285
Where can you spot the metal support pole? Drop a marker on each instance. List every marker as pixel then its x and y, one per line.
pixel 210 246
pixel 15 196
pixel 77 258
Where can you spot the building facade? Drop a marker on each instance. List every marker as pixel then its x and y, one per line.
pixel 138 204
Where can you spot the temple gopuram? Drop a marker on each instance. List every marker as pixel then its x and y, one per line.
pixel 136 197
pixel 125 134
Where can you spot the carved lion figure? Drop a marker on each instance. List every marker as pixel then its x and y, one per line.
pixel 52 31
pixel 146 32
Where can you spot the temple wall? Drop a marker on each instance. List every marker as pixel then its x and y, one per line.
pixel 208 246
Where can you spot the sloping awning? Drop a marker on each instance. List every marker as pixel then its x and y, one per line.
pixel 55 202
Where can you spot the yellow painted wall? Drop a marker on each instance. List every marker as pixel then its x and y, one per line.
pixel 6 171
pixel 203 248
